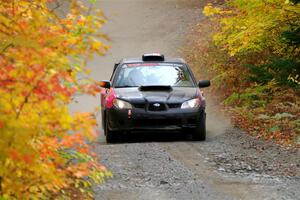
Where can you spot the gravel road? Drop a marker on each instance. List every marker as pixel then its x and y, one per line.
pixel 229 165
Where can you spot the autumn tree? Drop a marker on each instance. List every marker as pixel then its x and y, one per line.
pixel 256 65
pixel 271 27
pixel 44 149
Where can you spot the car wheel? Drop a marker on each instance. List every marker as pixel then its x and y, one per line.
pixel 110 135
pixel 199 133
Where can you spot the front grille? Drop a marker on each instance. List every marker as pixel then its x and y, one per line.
pixel 157 107
pixel 161 107
pixel 139 105
pixel 174 105
pixel 157 122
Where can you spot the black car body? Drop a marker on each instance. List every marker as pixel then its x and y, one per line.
pixel 153 93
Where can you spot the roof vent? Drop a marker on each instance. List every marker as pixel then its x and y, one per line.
pixel 153 57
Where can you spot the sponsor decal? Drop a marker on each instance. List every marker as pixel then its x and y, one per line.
pixel 110 98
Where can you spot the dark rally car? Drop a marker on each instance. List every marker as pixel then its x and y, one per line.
pixel 153 93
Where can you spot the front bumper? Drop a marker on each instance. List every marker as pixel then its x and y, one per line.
pixel 141 120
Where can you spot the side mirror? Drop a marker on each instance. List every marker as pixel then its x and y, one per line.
pixel 105 84
pixel 204 83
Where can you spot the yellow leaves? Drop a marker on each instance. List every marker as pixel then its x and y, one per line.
pixel 41 59
pixel 96 45
pixel 209 10
pixel 251 25
pixel 260 36
pixel 81 21
pixel 73 40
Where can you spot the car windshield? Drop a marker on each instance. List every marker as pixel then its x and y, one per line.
pixel 152 74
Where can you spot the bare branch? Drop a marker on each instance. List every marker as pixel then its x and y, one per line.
pixel 6 47
pixel 57 5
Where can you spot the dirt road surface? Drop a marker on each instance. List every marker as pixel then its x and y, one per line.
pixel 229 165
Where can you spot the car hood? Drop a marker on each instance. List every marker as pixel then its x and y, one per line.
pixel 174 95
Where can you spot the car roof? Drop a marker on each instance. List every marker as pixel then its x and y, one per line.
pixel 140 60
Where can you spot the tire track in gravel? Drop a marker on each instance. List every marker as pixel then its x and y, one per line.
pixel 247 182
pixel 148 171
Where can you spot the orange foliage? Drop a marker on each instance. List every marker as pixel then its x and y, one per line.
pixel 44 150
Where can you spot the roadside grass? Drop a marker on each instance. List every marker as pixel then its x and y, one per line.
pixel 269 111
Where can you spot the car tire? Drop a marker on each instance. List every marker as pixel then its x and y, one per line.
pixel 199 133
pixel 110 135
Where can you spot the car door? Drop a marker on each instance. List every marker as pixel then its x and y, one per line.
pixel 104 94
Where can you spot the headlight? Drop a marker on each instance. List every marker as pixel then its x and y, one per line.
pixel 120 104
pixel 193 103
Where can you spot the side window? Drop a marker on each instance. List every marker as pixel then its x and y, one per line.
pixel 122 78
